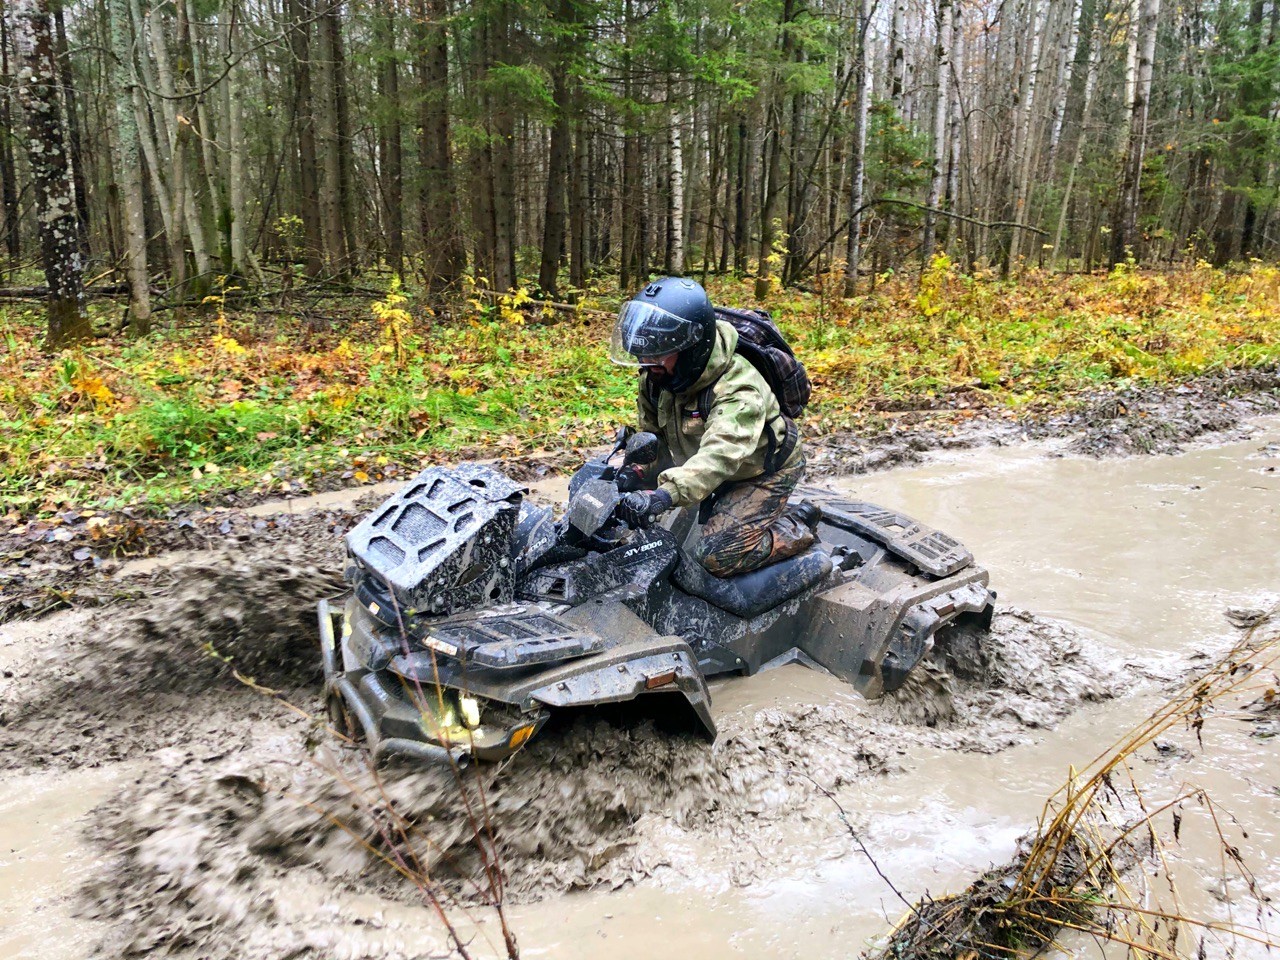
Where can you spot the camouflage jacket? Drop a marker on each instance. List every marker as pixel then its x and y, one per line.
pixel 734 439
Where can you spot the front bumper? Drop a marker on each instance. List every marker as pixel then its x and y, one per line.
pixel 418 719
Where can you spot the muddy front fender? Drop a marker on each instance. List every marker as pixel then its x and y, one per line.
pixel 629 669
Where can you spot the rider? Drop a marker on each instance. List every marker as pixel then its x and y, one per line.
pixel 721 445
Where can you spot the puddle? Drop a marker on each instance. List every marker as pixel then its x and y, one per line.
pixel 1141 555
pixel 44 857
pixel 1168 544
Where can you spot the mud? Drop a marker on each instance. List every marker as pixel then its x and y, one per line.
pixel 1165 421
pixel 1103 423
pixel 111 685
pixel 201 850
pixel 95 559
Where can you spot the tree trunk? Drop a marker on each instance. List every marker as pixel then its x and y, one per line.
pixel 897 56
pixel 553 221
pixel 73 124
pixel 129 166
pixel 390 138
pixel 209 201
pixel 184 209
pixel 742 198
pixel 773 175
pixel 940 149
pixel 350 250
pixel 234 85
pixel 578 205
pixel 858 151
pixel 1093 55
pixel 675 157
pixel 301 45
pixel 503 139
pixel 1124 229
pixel 8 168
pixel 329 150
pixel 442 242
pixel 632 193
pixel 1025 135
pixel 37 89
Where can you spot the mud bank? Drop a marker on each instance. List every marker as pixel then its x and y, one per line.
pixel 202 850
pixel 1105 423
pixel 82 688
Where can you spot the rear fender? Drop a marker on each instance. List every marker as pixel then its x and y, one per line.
pixel 856 632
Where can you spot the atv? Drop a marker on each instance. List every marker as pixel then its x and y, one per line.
pixel 473 615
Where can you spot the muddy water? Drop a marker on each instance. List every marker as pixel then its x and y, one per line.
pixel 43 857
pixel 1169 542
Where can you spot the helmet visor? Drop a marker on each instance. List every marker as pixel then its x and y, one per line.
pixel 645 332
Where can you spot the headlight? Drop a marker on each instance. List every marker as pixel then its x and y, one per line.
pixel 470 711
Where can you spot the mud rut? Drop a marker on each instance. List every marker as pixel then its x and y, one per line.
pixel 249 791
pixel 243 798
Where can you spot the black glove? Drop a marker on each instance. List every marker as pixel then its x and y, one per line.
pixel 641 508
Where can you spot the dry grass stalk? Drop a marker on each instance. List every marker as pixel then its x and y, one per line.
pixel 1077 871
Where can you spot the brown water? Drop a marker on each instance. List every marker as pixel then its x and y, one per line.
pixel 1143 555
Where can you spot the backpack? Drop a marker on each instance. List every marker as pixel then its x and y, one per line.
pixel 761 342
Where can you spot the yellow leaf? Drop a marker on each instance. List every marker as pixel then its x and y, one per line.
pixel 361 476
pixel 228 345
pixel 91 386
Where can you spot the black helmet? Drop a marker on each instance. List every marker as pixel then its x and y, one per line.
pixel 671 315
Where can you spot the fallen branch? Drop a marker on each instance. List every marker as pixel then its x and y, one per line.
pixel 40 293
pixel 990 224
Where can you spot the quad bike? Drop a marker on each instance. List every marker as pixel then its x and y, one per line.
pixel 473 616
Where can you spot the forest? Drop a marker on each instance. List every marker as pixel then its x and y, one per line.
pixel 170 151
pixel 332 623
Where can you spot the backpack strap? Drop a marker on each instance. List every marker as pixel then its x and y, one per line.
pixel 652 392
pixel 706 397
pixel 779 452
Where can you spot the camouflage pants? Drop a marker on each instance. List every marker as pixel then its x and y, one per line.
pixel 751 526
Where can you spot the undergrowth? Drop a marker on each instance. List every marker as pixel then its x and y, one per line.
pixel 370 391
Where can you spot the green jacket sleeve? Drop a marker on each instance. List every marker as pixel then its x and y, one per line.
pixel 733 432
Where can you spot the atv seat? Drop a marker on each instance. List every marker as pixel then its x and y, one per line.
pixel 751 594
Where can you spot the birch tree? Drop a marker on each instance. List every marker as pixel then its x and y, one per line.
pixel 37 86
pixel 129 167
pixel 1124 227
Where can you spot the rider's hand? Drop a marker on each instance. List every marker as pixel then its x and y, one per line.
pixel 642 507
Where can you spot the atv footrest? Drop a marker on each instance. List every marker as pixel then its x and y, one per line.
pixel 511 640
